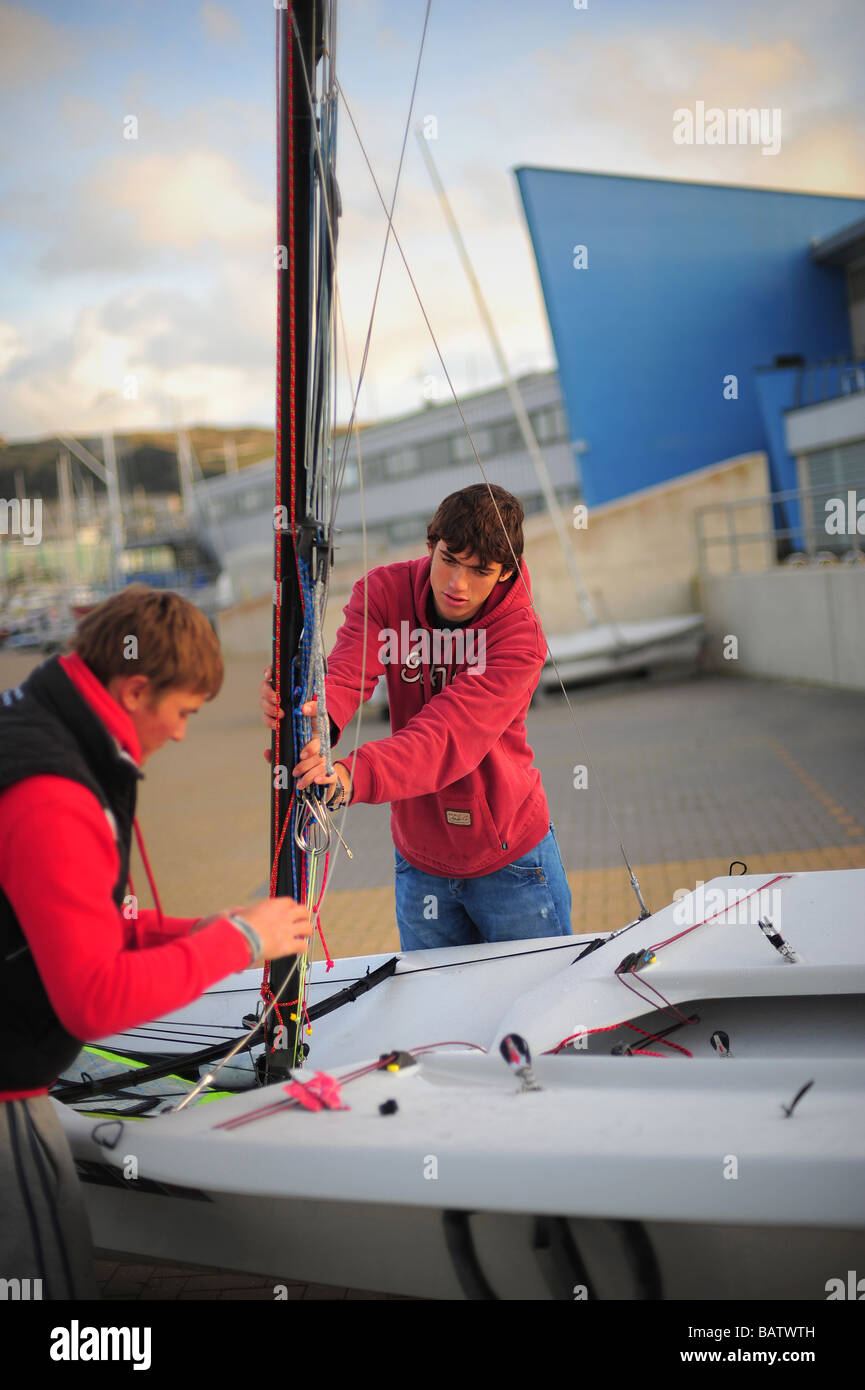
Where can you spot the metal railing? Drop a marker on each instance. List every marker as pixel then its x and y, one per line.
pixel 795 529
pixel 828 380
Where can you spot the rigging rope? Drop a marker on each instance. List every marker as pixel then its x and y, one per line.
pixel 644 911
pixel 307 812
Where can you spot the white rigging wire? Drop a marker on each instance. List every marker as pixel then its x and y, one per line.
pixel 325 185
pixel 398 243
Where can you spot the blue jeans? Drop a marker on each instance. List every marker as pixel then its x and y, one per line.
pixel 529 897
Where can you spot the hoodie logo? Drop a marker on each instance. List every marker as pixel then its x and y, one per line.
pixel 412 648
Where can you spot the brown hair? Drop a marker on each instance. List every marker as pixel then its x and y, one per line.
pixel 176 647
pixel 468 521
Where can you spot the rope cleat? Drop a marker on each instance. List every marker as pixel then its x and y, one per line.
pixel 515 1051
pixel 396 1061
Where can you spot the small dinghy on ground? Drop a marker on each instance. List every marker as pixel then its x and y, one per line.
pixel 606 650
pixel 699 1130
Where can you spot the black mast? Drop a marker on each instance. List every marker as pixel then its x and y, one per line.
pixel 299 42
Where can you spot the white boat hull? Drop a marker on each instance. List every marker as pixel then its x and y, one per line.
pixel 654 1179
pixel 612 649
pixel 667 1175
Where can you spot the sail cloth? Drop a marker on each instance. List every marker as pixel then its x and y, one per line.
pixel 130 1098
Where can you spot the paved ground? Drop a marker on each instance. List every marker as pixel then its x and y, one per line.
pixel 694 774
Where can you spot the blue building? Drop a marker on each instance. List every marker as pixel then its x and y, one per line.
pixel 692 321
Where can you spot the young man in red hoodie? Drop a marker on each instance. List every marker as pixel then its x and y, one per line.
pixel 78 959
pixel 461 647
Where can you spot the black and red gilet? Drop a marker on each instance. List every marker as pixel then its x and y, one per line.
pixel 47 728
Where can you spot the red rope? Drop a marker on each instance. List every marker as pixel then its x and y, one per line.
pixel 653 1037
pixel 729 908
pixel 583 1033
pixel 315 912
pixel 143 852
pixel 276 852
pixel 278 443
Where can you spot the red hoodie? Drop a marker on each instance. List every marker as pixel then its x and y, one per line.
pixel 458 769
pixel 58 867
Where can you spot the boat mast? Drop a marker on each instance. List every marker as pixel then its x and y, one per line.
pixel 298 27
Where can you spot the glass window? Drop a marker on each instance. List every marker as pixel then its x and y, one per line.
pixel 373 467
pixel 460 445
pixel 398 464
pixel 350 476
pixel 434 454
pixel 408 528
pixel 147 558
pixel 507 437
pixel 549 424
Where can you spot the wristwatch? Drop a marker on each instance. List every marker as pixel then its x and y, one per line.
pixel 339 797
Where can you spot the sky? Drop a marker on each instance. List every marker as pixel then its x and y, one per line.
pixel 151 260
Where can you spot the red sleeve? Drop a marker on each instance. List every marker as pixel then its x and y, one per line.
pixel 343 687
pixel 453 733
pixel 58 868
pixel 146 929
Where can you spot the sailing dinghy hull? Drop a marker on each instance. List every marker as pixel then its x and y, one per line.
pixel 636 1176
pixel 631 1178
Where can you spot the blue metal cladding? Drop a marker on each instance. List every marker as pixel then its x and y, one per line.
pixel 685 285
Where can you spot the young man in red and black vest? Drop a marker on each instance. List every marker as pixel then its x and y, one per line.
pixel 75 963
pixel 461 648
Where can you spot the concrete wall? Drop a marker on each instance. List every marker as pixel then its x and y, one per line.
pixel 791 623
pixel 638 556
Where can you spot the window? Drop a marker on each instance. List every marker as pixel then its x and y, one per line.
pixel 549 424
pixel 373 467
pixel 460 446
pixel 507 437
pixel 407 529
pixel 145 559
pixel 398 464
pixel 834 471
pixel 434 454
pixel 350 476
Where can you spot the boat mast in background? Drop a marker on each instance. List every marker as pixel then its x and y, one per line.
pixel 516 400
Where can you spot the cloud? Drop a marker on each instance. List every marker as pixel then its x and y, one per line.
pixel 33 48
pixel 138 210
pixel 613 101
pixel 182 201
pixel 207 357
pixel 11 346
pixel 219 23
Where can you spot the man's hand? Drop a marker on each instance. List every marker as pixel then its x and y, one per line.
pixel 311 766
